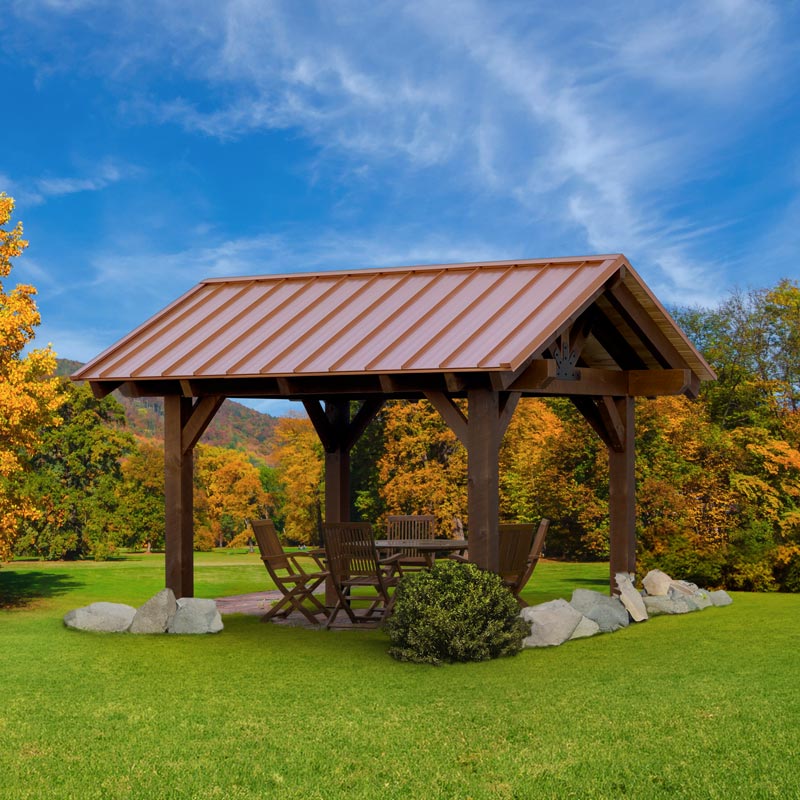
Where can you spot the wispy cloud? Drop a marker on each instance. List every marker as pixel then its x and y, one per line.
pixel 597 121
pixel 34 191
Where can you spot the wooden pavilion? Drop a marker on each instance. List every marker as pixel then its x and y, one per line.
pixel 586 328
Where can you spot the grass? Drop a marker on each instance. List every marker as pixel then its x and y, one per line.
pixel 700 706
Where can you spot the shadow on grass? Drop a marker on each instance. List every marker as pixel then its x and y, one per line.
pixel 19 589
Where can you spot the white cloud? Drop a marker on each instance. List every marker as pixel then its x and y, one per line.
pixel 597 120
pixel 33 191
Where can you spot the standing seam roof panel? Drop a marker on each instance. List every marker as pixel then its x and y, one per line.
pixel 461 317
pixel 136 352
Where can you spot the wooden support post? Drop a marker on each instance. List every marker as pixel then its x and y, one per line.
pixel 483 484
pixel 184 423
pixel 178 498
pixel 622 494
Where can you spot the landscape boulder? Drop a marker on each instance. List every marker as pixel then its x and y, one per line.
pixel 720 598
pixel 156 614
pixel 658 605
pixel 195 615
pixel 586 627
pixel 104 617
pixel 607 612
pixel 551 623
pixel 656 583
pixel 630 598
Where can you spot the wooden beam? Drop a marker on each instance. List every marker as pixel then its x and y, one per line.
pixel 101 389
pixel 450 413
pixel 591 413
pixel 622 496
pixel 369 408
pixel 322 424
pixel 201 414
pixel 178 498
pixel 508 404
pixel 613 342
pixel 644 326
pixel 540 378
pixel 537 377
pixel 655 382
pixel 454 383
pixel 613 424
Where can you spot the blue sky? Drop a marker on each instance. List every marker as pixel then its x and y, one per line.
pixel 152 144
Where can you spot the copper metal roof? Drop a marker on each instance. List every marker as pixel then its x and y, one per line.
pixel 444 318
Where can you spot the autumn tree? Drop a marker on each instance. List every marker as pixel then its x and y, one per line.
pixel 228 491
pixel 28 396
pixel 553 465
pixel 75 478
pixel 299 462
pixel 423 469
pixel 141 495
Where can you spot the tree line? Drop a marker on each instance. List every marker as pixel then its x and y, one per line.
pixel 718 479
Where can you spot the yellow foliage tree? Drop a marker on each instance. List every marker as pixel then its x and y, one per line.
pixel 229 491
pixel 299 461
pixel 423 469
pixel 29 397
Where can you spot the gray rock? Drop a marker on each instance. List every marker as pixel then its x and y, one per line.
pixel 656 583
pixel 105 617
pixel 195 615
pixel 682 587
pixel 155 615
pixel 720 598
pixel 702 599
pixel 630 598
pixel 551 623
pixel 665 605
pixel 607 612
pixel 586 627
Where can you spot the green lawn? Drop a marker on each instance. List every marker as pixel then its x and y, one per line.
pixel 701 706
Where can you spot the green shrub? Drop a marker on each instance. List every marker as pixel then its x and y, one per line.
pixel 454 612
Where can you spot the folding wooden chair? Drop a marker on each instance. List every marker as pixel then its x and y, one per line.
pixel 285 569
pixel 520 549
pixel 354 565
pixel 411 526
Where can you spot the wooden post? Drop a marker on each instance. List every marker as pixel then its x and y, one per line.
pixel 622 494
pixel 337 464
pixel 178 498
pixel 184 422
pixel 483 483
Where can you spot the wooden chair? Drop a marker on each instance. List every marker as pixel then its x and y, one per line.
pixel 411 526
pixel 354 565
pixel 295 583
pixel 520 549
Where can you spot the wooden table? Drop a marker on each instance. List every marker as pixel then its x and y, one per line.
pixel 427 547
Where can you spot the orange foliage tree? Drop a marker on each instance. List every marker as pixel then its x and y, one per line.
pixel 298 458
pixel 228 492
pixel 423 469
pixel 28 396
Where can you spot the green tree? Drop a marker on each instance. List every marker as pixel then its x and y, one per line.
pixel 74 480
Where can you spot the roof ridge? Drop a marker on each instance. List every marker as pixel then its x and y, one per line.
pixel 466 265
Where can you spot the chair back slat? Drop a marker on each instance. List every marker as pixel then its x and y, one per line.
pixel 410 526
pixel 520 548
pixel 350 549
pixel 269 545
pixel 515 544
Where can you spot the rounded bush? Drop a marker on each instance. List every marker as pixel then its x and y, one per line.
pixel 454 612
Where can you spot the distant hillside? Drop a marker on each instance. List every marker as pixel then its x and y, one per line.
pixel 234 426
